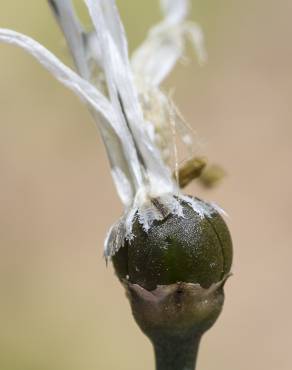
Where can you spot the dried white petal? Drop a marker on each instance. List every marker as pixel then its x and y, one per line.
pixel 120 167
pixel 154 60
pixel 115 27
pixel 107 120
pixel 112 64
pixel 124 98
pixel 165 44
pixel 65 75
pixel 74 33
pixel 124 187
pixel 115 238
pixel 196 36
pixel 175 10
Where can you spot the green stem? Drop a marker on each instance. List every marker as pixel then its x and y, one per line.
pixel 176 353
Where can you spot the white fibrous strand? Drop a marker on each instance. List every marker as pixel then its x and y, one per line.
pixel 135 117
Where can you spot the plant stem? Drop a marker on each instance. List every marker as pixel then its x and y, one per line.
pixel 176 353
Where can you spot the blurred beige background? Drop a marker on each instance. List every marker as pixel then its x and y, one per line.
pixel 60 307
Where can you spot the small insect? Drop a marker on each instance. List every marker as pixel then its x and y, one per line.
pixel 191 170
pixel 197 168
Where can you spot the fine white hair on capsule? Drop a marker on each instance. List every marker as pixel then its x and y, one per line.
pixel 122 230
pixel 135 117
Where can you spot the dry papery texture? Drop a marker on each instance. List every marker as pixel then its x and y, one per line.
pixel 52 171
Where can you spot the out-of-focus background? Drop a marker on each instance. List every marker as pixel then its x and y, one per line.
pixel 60 307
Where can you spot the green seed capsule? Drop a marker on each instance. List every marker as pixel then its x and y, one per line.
pixel 187 249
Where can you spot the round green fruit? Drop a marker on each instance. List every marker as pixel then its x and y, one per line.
pixel 187 249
